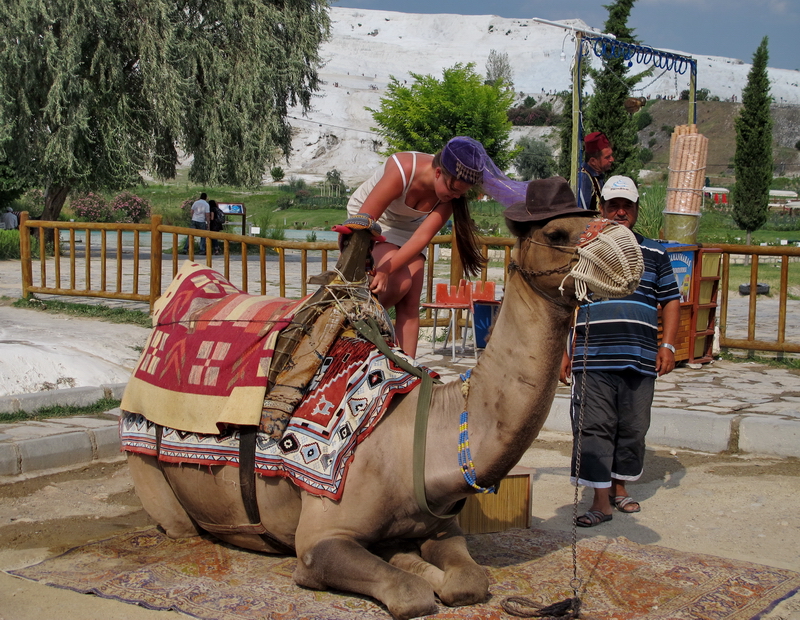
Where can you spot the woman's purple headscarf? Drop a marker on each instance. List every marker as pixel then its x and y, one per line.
pixel 467 160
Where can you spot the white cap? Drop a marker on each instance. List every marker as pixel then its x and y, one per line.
pixel 620 187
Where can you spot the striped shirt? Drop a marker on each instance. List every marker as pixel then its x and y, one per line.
pixel 623 333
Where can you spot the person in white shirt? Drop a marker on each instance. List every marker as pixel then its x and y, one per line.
pixel 201 217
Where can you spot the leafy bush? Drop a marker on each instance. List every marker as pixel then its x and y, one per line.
pixel 174 216
pixel 643 119
pixel 92 208
pixel 32 201
pixel 284 202
pixel 128 207
pixel 652 142
pixel 797 145
pixel 9 245
pixel 651 210
pixel 539 116
pixel 645 155
pixel 294 185
pixel 277 174
pixel 668 129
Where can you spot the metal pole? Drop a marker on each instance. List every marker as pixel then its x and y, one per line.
pixel 693 94
pixel 576 112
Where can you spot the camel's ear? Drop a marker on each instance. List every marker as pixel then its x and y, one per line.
pixel 520 229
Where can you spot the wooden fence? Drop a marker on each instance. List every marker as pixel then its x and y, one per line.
pixel 90 260
pixel 99 269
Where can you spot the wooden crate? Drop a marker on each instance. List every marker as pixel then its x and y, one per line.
pixel 509 508
pixel 683 337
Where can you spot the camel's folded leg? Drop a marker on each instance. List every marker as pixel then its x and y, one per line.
pixel 157 497
pixel 405 555
pixel 343 564
pixel 465 582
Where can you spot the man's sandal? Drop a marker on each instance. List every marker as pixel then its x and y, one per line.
pixel 592 518
pixel 622 502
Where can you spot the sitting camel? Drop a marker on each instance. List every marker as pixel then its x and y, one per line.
pixel 384 538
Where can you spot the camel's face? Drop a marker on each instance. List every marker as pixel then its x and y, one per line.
pixel 608 264
pixel 547 252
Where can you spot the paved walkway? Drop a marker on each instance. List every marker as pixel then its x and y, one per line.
pixel 720 406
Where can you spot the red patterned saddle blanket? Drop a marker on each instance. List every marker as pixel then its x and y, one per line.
pixel 206 362
pixel 347 398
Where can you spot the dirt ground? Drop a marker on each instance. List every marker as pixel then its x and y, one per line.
pixel 745 508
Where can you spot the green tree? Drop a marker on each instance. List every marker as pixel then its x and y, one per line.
pixel 93 92
pixel 277 173
pixel 534 159
pixel 753 158
pixel 427 113
pixel 10 186
pixel 498 70
pixel 605 111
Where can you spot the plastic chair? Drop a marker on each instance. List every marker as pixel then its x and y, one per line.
pixel 482 293
pixel 451 298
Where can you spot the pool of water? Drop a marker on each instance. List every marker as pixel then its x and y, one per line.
pixel 144 237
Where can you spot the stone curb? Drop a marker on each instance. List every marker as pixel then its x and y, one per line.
pixel 704 431
pixel 33 448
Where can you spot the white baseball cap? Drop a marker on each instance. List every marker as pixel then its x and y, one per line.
pixel 620 187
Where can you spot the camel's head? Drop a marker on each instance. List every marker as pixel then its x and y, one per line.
pixel 567 253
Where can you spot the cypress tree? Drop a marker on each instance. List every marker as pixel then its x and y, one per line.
pixel 753 158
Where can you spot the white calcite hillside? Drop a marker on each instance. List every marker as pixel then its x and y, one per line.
pixel 367 47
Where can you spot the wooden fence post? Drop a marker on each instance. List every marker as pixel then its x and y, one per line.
pixel 155 259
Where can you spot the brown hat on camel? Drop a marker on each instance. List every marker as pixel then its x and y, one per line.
pixel 546 199
pixel 596 142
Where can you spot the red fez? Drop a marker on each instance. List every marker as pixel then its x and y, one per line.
pixel 596 141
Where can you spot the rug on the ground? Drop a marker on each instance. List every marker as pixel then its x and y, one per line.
pixel 621 579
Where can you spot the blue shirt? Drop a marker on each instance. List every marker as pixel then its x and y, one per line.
pixel 623 333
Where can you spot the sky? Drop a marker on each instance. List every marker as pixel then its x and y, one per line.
pixel 728 28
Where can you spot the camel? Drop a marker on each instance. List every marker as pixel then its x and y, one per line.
pixel 377 540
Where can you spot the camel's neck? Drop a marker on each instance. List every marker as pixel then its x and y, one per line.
pixel 513 385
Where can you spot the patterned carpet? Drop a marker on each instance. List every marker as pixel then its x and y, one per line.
pixel 621 579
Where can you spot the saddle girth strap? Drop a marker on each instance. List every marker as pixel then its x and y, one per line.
pixel 247 483
pixel 370 331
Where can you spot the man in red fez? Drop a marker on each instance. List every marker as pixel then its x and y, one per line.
pixel 598 159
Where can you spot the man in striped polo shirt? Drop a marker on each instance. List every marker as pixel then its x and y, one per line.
pixel 618 375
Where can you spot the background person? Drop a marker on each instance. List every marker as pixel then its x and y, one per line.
pixel 9 220
pixel 411 197
pixel 622 363
pixel 598 159
pixel 201 217
pixel 216 224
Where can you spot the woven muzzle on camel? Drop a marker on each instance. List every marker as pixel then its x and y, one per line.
pixel 610 262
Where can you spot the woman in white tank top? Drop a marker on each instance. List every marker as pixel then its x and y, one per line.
pixel 412 196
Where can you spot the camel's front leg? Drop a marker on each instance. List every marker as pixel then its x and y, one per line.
pixel 464 582
pixel 343 564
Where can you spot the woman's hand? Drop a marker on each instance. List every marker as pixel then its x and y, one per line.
pixel 379 283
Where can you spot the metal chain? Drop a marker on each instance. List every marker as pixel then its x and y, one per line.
pixel 576 583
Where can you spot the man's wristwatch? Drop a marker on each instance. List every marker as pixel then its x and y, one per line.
pixel 666 345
